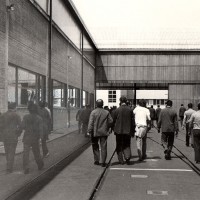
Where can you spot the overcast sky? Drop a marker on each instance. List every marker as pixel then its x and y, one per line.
pixel 118 20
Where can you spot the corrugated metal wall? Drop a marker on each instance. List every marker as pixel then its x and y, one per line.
pixel 3 52
pixel 180 70
pixel 88 77
pixel 28 38
pixel 149 67
pixel 184 94
pixel 61 49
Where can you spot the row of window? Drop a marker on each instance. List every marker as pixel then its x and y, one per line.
pixel 154 101
pixel 24 86
pixel 112 96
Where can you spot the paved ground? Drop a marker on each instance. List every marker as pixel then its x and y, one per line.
pixel 155 178
pixel 77 180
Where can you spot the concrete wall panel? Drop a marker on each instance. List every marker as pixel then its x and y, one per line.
pixel 184 94
pixel 149 67
pixel 3 57
pixel 28 38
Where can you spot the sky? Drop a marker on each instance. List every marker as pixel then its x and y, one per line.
pixel 142 23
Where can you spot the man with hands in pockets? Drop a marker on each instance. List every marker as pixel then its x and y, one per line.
pixel 168 121
pixel 98 128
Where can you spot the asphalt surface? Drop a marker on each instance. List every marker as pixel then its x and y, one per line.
pixel 154 178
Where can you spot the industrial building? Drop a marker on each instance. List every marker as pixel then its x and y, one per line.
pixel 47 53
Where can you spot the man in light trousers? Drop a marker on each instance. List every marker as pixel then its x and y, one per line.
pixel 142 120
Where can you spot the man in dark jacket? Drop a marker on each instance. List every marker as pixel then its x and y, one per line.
pixel 123 123
pixel 182 110
pixel 152 115
pixel 158 110
pixel 32 124
pixel 169 123
pixel 9 126
pixel 98 127
pixel 84 117
pixel 44 114
pixel 78 118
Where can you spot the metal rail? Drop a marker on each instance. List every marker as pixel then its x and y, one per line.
pixel 184 158
pixel 100 179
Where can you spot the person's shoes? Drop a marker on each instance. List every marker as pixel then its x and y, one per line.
pixel 26 171
pixel 192 145
pixel 103 164
pixel 197 162
pixel 140 160
pixel 128 162
pixel 144 157
pixel 46 155
pixel 121 162
pixel 187 145
pixel 96 163
pixel 167 157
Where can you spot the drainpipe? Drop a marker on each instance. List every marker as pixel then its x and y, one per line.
pixel 50 92
pixel 81 104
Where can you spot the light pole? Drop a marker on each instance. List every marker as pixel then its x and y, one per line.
pixel 68 100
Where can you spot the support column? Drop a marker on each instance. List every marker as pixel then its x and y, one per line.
pixel 4 31
pixel 135 97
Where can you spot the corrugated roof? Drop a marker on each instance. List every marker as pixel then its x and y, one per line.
pixel 141 24
pixel 174 39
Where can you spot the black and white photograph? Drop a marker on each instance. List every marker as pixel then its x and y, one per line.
pixel 99 100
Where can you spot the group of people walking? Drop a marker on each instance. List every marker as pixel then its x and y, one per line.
pixel 35 127
pixel 126 122
pixel 191 122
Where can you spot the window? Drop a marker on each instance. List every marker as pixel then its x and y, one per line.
pixel 78 94
pixel 162 101
pixel 150 102
pixel 84 98
pixel 58 94
pixel 12 84
pixel 41 88
pixel 26 87
pixel 73 96
pixel 112 96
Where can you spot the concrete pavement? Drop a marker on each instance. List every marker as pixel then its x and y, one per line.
pixel 154 178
